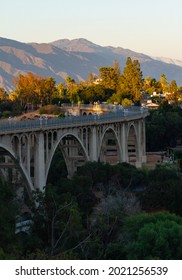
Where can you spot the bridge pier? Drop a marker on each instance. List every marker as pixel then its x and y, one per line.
pixel 39 168
pixel 141 145
pixel 93 153
pixel 123 143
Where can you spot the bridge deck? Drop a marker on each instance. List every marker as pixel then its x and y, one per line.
pixel 11 125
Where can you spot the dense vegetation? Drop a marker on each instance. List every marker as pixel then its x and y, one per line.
pixel 112 86
pixel 104 211
pixel 164 127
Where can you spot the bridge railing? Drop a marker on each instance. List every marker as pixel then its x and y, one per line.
pixel 119 114
pixel 103 106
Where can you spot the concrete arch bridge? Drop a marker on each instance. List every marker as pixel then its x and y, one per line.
pixel 29 146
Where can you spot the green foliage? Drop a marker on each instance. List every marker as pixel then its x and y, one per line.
pixel 57 171
pixel 105 225
pixel 115 251
pixel 34 89
pixel 112 86
pixel 163 128
pixel 164 191
pixel 109 231
pixel 164 83
pixel 122 176
pixel 94 215
pixel 94 93
pixel 110 76
pixel 6 114
pixel 3 94
pixel 96 171
pixel 57 224
pixel 129 83
pixel 9 209
pixel 61 115
pixel 78 188
pixel 178 158
pixel 131 80
pixel 153 236
pixel 126 102
pixel 9 108
pixel 152 85
pixel 50 109
pixel 127 177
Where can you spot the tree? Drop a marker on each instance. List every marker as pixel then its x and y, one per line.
pixel 26 88
pixel 9 209
pixel 73 89
pixel 131 82
pixel 164 83
pixel 147 85
pixel 156 86
pixel 110 76
pixel 162 190
pixel 163 127
pixel 57 223
pixel 180 93
pixel 156 236
pixel 34 89
pixel 90 78
pixel 152 85
pixel 93 93
pixel 173 89
pixel 3 94
pixel 47 91
pixel 105 225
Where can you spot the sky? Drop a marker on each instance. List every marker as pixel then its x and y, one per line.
pixel 152 27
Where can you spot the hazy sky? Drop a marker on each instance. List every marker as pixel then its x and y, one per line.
pixel 152 27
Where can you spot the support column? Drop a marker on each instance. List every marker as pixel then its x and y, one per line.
pixel 28 156
pixel 19 154
pixel 86 139
pixel 39 168
pixel 45 146
pixel 93 145
pixel 124 142
pixel 139 146
pixel 143 133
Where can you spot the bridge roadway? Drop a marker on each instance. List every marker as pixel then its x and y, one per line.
pixel 30 145
pixel 11 125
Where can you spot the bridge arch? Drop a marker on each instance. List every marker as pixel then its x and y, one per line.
pixel 73 151
pixel 23 147
pixel 110 149
pixel 9 160
pixel 8 150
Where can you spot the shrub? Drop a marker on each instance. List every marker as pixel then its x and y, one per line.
pixel 6 114
pixel 50 110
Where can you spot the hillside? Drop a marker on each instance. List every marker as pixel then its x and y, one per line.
pixel 76 58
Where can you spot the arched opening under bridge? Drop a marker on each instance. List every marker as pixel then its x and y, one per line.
pixel 12 173
pixel 68 155
pixel 132 145
pixel 110 150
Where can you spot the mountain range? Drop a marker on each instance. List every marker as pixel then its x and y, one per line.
pixel 75 58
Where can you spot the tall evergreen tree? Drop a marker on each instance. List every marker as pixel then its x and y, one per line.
pixel 131 80
pixel 173 89
pixel 164 83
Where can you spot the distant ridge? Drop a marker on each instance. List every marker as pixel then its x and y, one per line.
pixel 76 58
pixel 169 60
